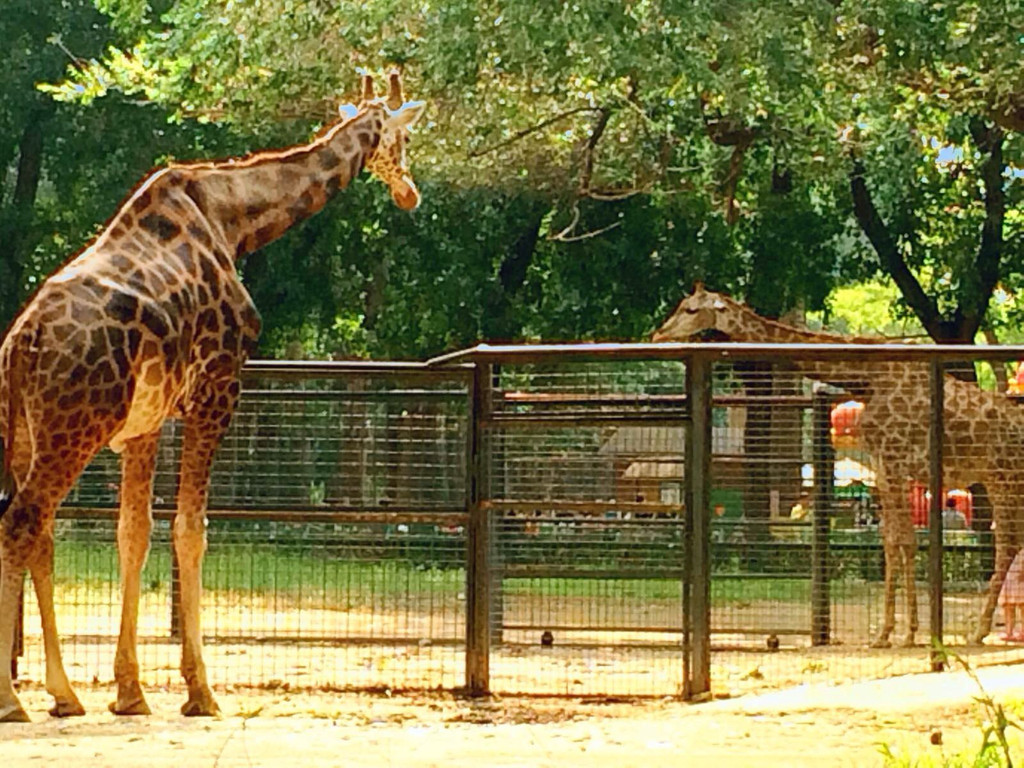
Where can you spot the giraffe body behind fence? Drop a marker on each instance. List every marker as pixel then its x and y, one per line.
pixel 152 322
pixel 983 440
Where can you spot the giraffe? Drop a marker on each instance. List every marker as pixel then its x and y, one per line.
pixel 151 322
pixel 981 429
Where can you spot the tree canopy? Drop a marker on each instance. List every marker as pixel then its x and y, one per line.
pixel 584 162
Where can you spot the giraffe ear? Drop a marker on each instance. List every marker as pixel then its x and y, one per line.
pixel 347 111
pixel 407 114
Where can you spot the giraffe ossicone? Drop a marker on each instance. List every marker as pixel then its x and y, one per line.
pixel 151 322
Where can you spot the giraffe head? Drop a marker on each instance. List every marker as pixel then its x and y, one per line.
pixel 702 314
pixel 388 162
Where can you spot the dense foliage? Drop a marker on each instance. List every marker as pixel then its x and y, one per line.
pixel 583 162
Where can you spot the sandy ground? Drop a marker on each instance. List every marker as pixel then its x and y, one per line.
pixel 808 725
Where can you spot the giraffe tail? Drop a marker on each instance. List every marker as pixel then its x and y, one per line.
pixel 8 488
pixel 9 406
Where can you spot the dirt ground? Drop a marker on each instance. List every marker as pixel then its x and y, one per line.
pixel 807 725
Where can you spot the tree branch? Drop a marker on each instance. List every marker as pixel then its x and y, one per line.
pixel 881 239
pixel 985 275
pixel 1008 112
pixel 729 132
pixel 603 116
pixel 567 236
pixel 998 366
pixel 519 135
pixel 732 211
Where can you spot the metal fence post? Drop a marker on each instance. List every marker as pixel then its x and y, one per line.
pixel 175 591
pixel 823 457
pixel 478 544
pixel 495 487
pixel 698 523
pixel 935 591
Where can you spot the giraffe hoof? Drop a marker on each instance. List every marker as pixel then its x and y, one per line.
pixel 13 713
pixel 69 708
pixel 908 642
pixel 200 705
pixel 136 707
pixel 977 639
pixel 881 642
pixel 130 699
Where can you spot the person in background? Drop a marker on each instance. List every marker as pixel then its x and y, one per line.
pixel 1011 600
pixel 803 505
pixel 952 518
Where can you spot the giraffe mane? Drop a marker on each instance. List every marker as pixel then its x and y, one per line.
pixel 263 156
pixel 738 307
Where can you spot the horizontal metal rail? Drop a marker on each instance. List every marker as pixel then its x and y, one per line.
pixel 353 396
pixel 326 369
pixel 512 571
pixel 678 402
pixel 581 506
pixel 583 419
pixel 269 639
pixel 341 516
pixel 565 353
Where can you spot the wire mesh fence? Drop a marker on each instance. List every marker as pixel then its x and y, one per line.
pixel 337 545
pixel 588 551
pixel 533 524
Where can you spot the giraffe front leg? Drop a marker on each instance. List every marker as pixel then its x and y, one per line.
pixel 1004 557
pixel 11 576
pixel 190 545
pixel 889 608
pixel 134 526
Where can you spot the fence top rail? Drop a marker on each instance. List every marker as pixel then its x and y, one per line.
pixel 675 350
pixel 301 369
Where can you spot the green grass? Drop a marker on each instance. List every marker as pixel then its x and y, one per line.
pixel 259 570
pixel 263 569
pixel 999 727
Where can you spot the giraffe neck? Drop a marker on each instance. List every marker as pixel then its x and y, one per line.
pixel 242 204
pixel 740 323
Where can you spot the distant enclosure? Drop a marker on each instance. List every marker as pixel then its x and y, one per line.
pixel 579 520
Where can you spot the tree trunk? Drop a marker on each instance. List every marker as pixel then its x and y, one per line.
pixel 881 239
pixel 499 323
pixel 16 236
pixel 979 280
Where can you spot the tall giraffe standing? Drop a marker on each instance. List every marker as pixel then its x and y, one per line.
pixel 147 323
pixel 982 430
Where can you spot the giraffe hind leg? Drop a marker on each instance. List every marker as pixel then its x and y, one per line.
pixel 889 609
pixel 910 595
pixel 66 703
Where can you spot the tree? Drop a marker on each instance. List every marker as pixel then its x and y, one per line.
pixel 795 123
pixel 63 169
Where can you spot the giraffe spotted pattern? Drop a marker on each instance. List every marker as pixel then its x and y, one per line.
pixel 983 440
pixel 152 322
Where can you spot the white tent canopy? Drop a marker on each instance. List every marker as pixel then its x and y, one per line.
pixel 847 471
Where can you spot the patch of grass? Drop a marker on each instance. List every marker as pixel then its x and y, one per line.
pixel 260 570
pixel 995 726
pixel 289 569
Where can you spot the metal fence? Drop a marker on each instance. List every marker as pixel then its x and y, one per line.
pixel 660 519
